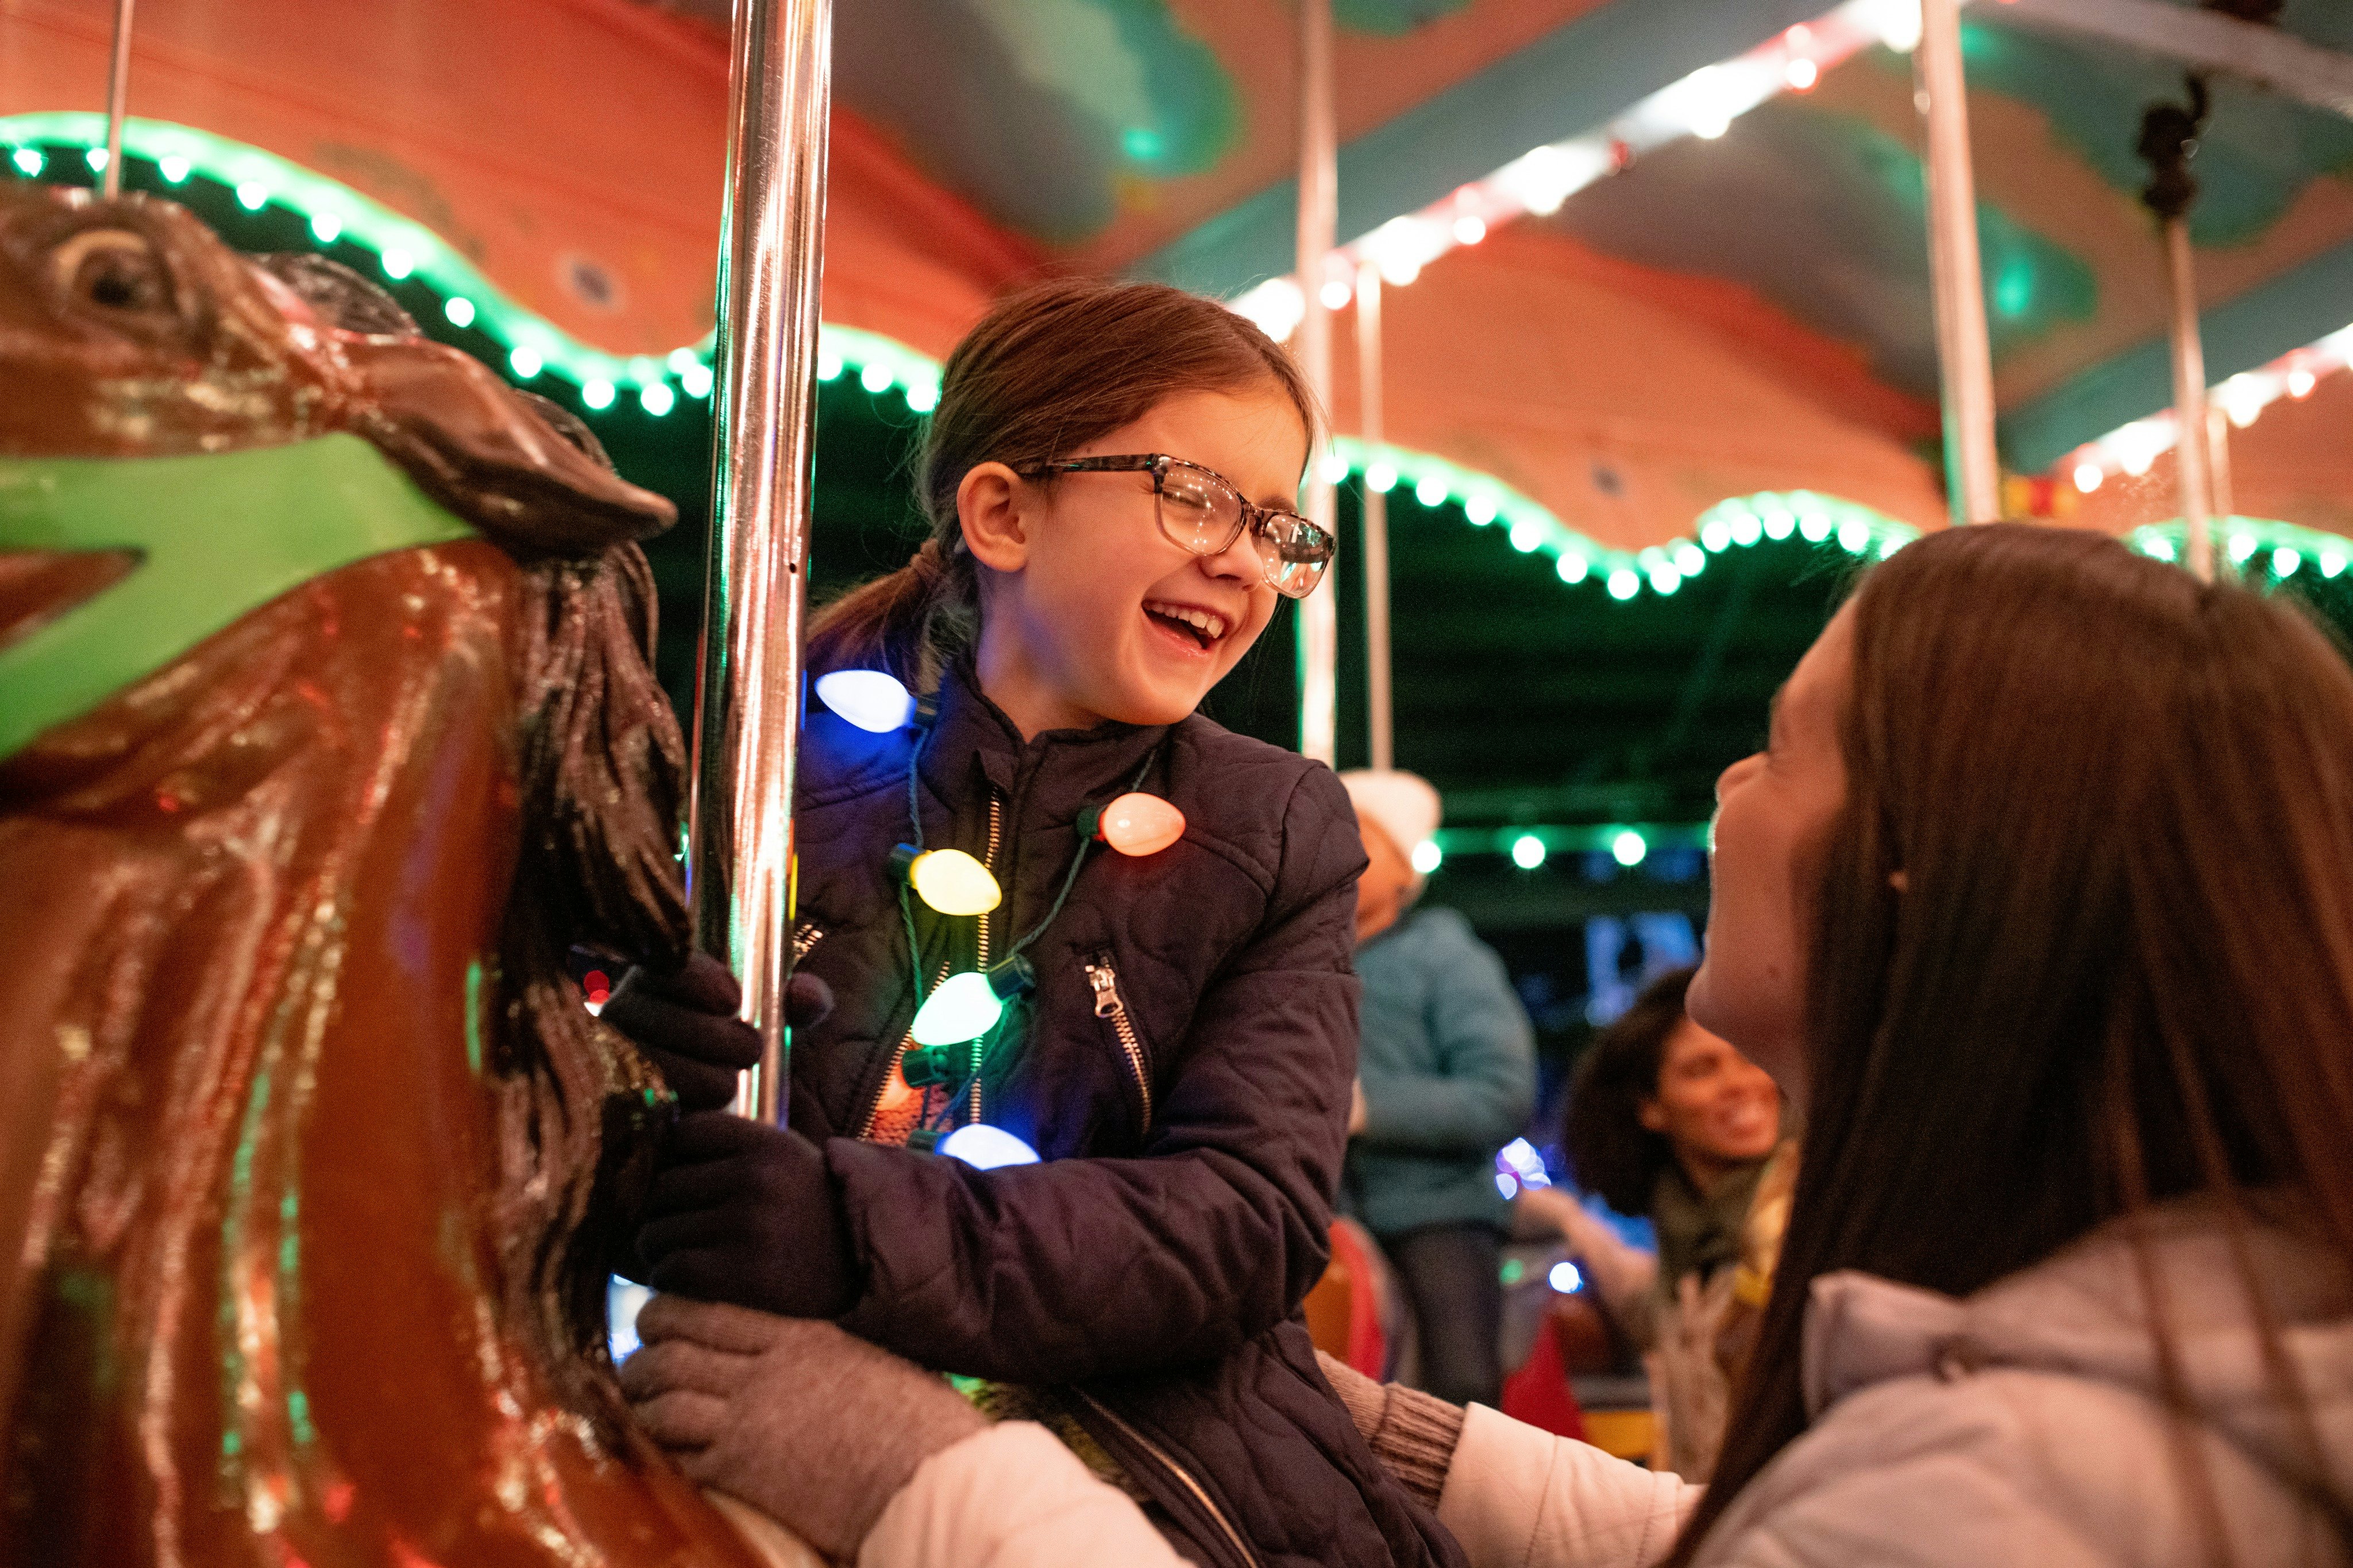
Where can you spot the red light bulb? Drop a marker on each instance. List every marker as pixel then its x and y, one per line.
pixel 1139 824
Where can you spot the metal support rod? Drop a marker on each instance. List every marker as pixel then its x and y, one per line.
pixel 1377 518
pixel 748 681
pixel 1972 471
pixel 2191 453
pixel 2218 461
pixel 118 99
pixel 1319 615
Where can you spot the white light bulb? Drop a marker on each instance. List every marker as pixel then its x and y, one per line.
pixel 680 361
pixel 1479 510
pixel 1431 491
pixel 696 379
pixel 1573 568
pixel 325 227
pixel 2242 546
pixel 2300 383
pixel 2088 476
pixel 2332 562
pixel 459 310
pixel 1333 294
pixel 597 394
pixel 251 195
pixel 1802 73
pixel 657 399
pixel 1427 857
pixel 96 159
pixel 1565 1277
pixel 1628 847
pixel 172 167
pixel 28 160
pixel 525 360
pixel 1715 534
pixel 1665 579
pixel 923 396
pixel 1470 229
pixel 1854 536
pixel 1333 467
pixel 1814 526
pixel 1525 536
pixel 1623 584
pixel 1527 852
pixel 1747 528
pixel 1780 521
pixel 829 366
pixel 397 263
pixel 1381 476
pixel 1899 24
pixel 2284 560
pixel 2162 549
pixel 875 378
pixel 873 699
pixel 985 1148
pixel 1690 560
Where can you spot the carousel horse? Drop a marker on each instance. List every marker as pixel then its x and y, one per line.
pixel 326 725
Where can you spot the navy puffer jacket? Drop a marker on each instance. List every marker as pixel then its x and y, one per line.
pixel 1185 1074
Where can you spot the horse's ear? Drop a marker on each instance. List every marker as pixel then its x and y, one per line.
pixel 480 449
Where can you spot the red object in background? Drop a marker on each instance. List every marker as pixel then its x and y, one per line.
pixel 595 987
pixel 1539 1394
pixel 1368 1348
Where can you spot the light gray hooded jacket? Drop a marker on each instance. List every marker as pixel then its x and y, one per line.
pixel 2027 1424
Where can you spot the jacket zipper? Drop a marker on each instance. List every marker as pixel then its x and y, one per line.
pixel 1104 980
pixel 988 858
pixel 874 1106
pixel 1184 1475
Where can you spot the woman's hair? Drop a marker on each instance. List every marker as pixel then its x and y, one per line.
pixel 1610 1150
pixel 1047 370
pixel 2120 968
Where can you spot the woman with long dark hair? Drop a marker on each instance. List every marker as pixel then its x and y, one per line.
pixel 2039 905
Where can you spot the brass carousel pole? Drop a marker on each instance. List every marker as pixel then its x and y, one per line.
pixel 1972 470
pixel 2168 140
pixel 1319 614
pixel 1382 733
pixel 118 99
pixel 748 682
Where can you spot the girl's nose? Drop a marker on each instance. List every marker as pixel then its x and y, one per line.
pixel 1238 560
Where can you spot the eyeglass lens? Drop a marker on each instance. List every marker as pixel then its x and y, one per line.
pixel 1205 517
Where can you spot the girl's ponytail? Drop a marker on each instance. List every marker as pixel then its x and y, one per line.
pixel 1047 370
pixel 912 622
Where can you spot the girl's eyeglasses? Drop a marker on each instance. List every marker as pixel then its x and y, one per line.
pixel 1202 512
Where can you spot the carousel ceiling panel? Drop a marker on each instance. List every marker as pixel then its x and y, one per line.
pixel 572 151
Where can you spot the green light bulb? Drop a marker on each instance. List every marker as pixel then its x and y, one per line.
pixel 964 1007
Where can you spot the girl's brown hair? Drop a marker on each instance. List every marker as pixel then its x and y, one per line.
pixel 1047 370
pixel 2120 968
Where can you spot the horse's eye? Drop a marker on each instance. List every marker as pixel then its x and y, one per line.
pixel 114 269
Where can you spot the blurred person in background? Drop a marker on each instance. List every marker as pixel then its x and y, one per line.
pixel 1447 1073
pixel 1668 1121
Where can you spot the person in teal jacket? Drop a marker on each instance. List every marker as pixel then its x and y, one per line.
pixel 1448 1071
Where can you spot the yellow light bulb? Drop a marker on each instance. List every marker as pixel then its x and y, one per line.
pixel 1141 823
pixel 953 883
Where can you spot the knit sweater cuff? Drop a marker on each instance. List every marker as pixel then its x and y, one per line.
pixel 1415 1440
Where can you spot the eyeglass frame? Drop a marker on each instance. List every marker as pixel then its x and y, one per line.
pixel 1254 517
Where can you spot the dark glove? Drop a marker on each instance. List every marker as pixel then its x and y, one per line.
pixel 746 1213
pixel 685 1022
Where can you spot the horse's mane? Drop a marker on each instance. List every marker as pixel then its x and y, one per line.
pixel 601 769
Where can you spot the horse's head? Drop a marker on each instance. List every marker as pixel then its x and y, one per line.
pixel 127 329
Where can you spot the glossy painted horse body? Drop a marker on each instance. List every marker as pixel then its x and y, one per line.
pixel 307 1136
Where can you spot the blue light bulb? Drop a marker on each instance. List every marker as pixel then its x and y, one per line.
pixel 984 1148
pixel 867 697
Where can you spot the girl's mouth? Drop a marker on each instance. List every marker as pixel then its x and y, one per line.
pixel 1198 628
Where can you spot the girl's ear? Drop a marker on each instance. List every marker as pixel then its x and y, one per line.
pixel 1652 1115
pixel 989 507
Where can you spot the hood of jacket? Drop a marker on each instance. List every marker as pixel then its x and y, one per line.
pixel 2089 1312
